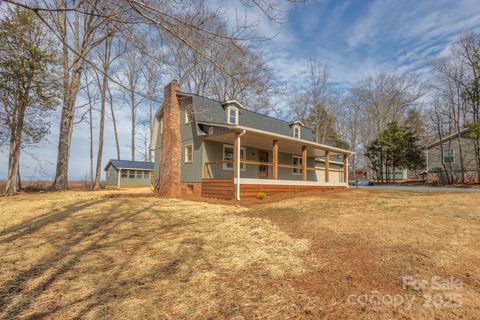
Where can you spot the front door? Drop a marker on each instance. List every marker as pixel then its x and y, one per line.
pixel 262 170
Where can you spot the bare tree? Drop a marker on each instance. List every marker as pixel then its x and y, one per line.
pixel 105 59
pixel 386 98
pixel 79 33
pixel 152 76
pixel 91 101
pixel 349 125
pixel 132 77
pixel 114 121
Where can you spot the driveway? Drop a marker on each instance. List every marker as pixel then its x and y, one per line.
pixel 419 188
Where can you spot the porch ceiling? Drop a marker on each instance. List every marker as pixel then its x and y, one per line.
pixel 262 142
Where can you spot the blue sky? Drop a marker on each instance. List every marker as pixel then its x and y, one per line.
pixel 354 38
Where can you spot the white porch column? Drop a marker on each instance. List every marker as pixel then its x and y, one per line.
pixel 327 166
pixel 345 168
pixel 237 157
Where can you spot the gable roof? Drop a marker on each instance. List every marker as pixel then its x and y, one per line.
pixel 212 111
pixel 126 164
pixel 453 135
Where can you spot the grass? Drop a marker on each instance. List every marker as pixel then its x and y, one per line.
pixel 102 255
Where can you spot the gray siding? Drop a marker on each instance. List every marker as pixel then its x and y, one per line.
pixel 134 182
pixel 214 152
pixel 111 176
pixel 435 155
pixel 192 171
pixel 434 161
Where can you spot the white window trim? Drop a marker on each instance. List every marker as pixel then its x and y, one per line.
pixel 300 170
pixel 186 146
pixel 243 166
pixel 453 155
pixel 297 127
pixel 236 114
pixel 188 120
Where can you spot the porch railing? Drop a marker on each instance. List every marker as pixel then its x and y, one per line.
pixel 207 165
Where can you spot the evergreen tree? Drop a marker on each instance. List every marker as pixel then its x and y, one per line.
pixel 395 147
pixel 28 84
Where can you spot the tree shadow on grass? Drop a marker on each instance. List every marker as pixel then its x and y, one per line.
pixel 92 231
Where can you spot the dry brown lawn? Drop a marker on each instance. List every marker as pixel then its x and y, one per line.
pixel 90 255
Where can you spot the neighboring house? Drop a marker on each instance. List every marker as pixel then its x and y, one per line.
pixel 444 157
pixel 220 149
pixel 128 174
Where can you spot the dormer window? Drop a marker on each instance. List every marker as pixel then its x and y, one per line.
pixel 232 115
pixel 296 131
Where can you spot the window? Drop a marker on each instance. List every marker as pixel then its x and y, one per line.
pixel 232 115
pixel 448 156
pixel 131 174
pixel 188 116
pixel 108 174
pixel 296 132
pixel 146 174
pixel 210 130
pixel 161 125
pixel 188 153
pixel 124 173
pixel 297 161
pixel 228 155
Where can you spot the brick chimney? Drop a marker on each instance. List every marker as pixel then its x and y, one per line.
pixel 170 153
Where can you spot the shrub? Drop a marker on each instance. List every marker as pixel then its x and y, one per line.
pixel 261 195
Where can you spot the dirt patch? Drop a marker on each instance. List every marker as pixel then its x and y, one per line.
pixel 370 240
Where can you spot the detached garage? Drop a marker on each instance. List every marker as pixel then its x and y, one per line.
pixel 128 174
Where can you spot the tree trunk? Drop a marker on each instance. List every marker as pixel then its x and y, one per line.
pixel 150 119
pixel 70 86
pixel 13 161
pixel 115 133
pixel 91 144
pixel 133 125
pixel 103 91
pixel 64 142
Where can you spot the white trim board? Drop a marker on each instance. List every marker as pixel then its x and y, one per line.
pixel 290 182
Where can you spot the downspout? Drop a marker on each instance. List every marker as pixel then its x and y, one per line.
pixel 238 163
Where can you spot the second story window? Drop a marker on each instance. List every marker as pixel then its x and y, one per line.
pixel 296 132
pixel 188 116
pixel 448 156
pixel 232 115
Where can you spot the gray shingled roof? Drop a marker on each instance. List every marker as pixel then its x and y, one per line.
pixel 212 111
pixel 126 164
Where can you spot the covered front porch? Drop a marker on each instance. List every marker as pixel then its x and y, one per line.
pixel 253 161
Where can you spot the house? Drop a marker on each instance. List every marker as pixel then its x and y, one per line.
pixel 445 157
pixel 128 174
pixel 222 150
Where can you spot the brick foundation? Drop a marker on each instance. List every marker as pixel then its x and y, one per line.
pixel 191 188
